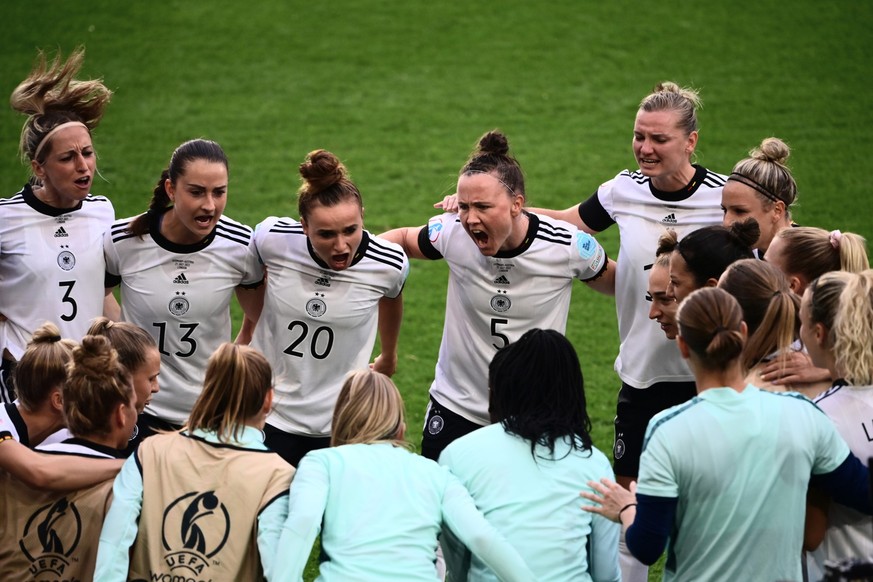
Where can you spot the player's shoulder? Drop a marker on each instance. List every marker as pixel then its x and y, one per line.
pixel 714 179
pixel 385 252
pixel 120 230
pixel 232 231
pixel 553 230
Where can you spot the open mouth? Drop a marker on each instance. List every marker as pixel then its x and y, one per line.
pixel 84 181
pixel 339 260
pixel 203 220
pixel 480 237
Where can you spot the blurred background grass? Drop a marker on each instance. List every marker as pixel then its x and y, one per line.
pixel 402 90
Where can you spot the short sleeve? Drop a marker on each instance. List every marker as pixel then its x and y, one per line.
pixel 658 471
pixel 110 254
pixel 831 449
pixel 433 239
pixel 588 257
pixel 593 213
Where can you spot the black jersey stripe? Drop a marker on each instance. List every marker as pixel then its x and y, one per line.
pixel 714 180
pixel 554 230
pixel 379 246
pixel 548 238
pixel 233 237
pixel 234 227
pixel 93 198
pixel 385 260
pixel 287 229
pixel 122 236
pixel 14 200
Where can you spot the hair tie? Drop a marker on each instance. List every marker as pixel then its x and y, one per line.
pixel 835 237
pixel 719 329
pixel 54 338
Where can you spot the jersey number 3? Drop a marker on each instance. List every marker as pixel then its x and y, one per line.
pixel 74 308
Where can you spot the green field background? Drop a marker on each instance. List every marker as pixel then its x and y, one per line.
pixel 402 90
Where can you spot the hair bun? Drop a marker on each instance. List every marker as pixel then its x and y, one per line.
pixel 95 358
pixel 47 333
pixel 494 142
pixel 746 232
pixel 321 170
pixel 772 149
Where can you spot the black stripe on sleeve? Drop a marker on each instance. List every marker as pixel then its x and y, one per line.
pixel 425 246
pixel 594 215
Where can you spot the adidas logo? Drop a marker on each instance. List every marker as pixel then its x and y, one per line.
pixel 61 232
pixel 669 219
pixel 323 281
pixel 501 280
pixel 181 279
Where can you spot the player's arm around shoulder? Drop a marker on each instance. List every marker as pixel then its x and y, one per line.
pixel 598 270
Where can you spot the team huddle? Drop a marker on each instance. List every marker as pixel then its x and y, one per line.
pixel 139 441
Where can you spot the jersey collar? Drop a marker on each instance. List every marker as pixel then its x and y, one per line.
pixel 359 253
pixel 18 423
pixel 165 243
pixel 533 225
pixel 43 208
pixel 682 193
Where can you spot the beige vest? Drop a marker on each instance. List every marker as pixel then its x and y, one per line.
pixel 45 535
pixel 200 507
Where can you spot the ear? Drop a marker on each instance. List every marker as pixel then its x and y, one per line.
pixel 57 399
pixel 170 190
pixel 120 416
pixel 401 431
pixel 268 402
pixel 692 143
pixel 517 205
pixel 744 330
pixel 821 334
pixel 37 169
pixel 711 282
pixel 362 212
pixel 304 225
pixel 778 210
pixel 796 284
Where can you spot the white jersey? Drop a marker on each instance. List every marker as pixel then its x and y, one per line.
pixel 493 301
pixel 51 267
pixel 849 532
pixel 81 447
pixel 319 324
pixel 12 422
pixel 181 295
pixel 643 214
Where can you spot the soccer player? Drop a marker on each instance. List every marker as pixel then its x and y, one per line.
pixel 138 352
pixel 40 375
pixel 378 506
pixel 331 284
pixel 524 470
pixel 761 187
pixel 664 305
pixel 209 499
pixel 509 271
pixel 836 325
pixel 178 265
pixel 50 264
pixel 667 191
pixel 57 533
pixel 745 522
pixel 771 312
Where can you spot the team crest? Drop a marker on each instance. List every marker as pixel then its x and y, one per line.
pixel 66 260
pixel 435 424
pixel 315 307
pixel 500 303
pixel 50 537
pixel 178 305
pixel 618 449
pixel 196 526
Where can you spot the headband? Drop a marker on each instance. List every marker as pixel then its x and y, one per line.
pixel 505 185
pixel 54 130
pixel 743 179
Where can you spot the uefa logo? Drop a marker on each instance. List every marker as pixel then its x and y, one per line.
pixel 196 526
pixel 50 537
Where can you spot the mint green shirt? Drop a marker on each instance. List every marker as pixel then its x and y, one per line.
pixel 535 505
pixel 379 509
pixel 739 464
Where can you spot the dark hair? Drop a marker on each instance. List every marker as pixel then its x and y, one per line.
pixel 195 149
pixel 537 391
pixel 709 322
pixel 325 182
pixel 709 250
pixel 491 156
pixel 50 96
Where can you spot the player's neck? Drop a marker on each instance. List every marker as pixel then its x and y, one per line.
pixel 520 226
pixel 731 377
pixel 40 424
